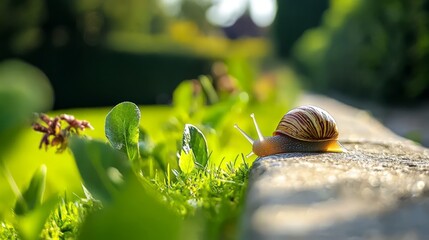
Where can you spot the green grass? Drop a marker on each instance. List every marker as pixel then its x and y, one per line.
pixel 214 196
pixel 66 219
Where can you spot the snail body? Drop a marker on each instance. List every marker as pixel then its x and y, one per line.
pixel 303 129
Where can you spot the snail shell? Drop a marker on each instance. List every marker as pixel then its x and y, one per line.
pixel 308 123
pixel 303 129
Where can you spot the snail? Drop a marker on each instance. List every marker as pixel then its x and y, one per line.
pixel 303 129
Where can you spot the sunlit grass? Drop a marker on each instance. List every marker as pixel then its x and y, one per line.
pixel 209 188
pixel 152 194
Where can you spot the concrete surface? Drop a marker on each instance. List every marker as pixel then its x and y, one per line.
pixel 376 190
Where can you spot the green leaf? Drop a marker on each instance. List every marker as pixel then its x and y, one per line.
pixel 193 139
pixel 207 85
pixel 101 167
pixel 188 97
pixel 122 128
pixel 31 224
pixel 24 89
pixel 186 161
pixel 33 196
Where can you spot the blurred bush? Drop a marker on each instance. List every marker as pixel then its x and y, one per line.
pixel 376 50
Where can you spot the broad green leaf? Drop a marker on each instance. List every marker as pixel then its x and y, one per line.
pixel 23 90
pixel 186 161
pixel 193 139
pixel 122 128
pixel 101 167
pixel 32 197
pixel 136 213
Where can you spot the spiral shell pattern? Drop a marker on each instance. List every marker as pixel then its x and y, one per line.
pixel 308 123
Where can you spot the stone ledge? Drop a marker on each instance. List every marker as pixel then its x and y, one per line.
pixel 377 190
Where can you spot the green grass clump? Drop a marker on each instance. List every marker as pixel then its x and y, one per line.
pixel 66 219
pixel 207 188
pixel 214 193
pixel 7 231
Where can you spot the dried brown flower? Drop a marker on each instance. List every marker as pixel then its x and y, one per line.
pixel 56 136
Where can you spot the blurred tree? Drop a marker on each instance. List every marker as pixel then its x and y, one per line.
pixel 376 50
pixel 20 26
pixel 293 18
pixel 196 12
pixel 131 15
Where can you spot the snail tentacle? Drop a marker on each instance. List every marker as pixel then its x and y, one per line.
pixel 244 134
pixel 258 130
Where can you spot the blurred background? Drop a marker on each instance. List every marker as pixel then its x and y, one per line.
pixel 370 54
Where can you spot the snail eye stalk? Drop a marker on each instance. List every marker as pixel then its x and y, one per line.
pixel 247 137
pixel 258 130
pixel 244 134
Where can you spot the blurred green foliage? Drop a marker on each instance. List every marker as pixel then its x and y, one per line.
pixel 135 214
pixel 376 50
pixel 32 197
pixel 100 166
pixel 23 90
pixel 81 45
